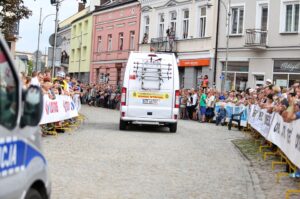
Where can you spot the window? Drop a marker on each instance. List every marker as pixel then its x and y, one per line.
pixel 131 40
pixel 173 20
pixel 121 40
pixel 161 25
pixel 146 28
pixel 202 25
pixel 99 47
pixel 8 94
pixel 291 17
pixel 185 32
pixel 109 42
pixel 237 20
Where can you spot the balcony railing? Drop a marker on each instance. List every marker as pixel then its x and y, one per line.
pixel 164 44
pixel 256 38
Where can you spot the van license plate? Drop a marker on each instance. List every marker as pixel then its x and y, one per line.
pixel 150 101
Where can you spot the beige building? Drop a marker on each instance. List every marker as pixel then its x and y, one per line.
pixel 264 43
pixel 186 28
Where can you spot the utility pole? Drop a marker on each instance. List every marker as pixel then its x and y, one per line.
pixel 227 42
pixel 55 37
pixel 39 37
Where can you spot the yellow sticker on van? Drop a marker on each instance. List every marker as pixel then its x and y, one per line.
pixel 150 95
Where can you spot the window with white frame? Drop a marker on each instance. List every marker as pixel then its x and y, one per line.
pixel 185 31
pixel 291 16
pixel 109 42
pixel 161 25
pixel 121 40
pixel 202 22
pixel 237 20
pixel 173 21
pixel 131 41
pixel 147 23
pixel 99 45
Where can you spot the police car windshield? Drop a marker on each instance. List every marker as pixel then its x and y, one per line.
pixel 8 94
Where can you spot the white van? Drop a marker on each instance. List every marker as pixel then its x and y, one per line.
pixel 150 93
pixel 23 167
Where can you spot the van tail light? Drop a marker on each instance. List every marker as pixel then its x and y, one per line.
pixel 123 96
pixel 177 99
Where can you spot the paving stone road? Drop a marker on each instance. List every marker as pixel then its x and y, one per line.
pixel 99 161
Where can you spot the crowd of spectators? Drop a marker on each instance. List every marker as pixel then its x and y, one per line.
pixel 199 105
pixel 102 95
pixel 61 84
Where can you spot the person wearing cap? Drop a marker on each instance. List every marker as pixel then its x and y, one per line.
pixel 60 77
pixel 268 82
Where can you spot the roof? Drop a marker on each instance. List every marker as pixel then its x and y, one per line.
pixel 113 4
pixel 70 19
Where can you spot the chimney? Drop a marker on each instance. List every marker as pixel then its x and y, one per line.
pixel 81 6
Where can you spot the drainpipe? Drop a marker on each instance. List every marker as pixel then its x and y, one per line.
pixel 217 43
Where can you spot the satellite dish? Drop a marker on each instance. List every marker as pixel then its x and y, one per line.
pixel 59 40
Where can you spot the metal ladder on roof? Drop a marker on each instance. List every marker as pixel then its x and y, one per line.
pixel 153 71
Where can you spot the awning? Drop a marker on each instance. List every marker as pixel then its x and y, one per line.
pixel 193 62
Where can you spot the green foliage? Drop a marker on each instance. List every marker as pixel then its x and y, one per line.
pixel 11 12
pixel 30 67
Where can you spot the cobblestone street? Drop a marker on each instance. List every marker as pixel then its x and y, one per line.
pixel 99 161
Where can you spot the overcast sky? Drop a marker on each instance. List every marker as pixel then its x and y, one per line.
pixel 29 27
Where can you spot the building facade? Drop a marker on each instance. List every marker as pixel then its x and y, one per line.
pixel 115 34
pixel 186 28
pixel 80 51
pixel 264 43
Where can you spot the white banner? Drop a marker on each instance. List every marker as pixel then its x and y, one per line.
pixel 62 108
pixel 233 109
pixel 260 120
pixel 287 137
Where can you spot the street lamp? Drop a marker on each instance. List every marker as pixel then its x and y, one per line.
pixel 41 22
pixel 228 15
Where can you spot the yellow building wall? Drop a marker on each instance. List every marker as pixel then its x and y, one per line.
pixel 81 40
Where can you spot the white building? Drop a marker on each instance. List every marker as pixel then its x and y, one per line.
pixel 264 43
pixel 191 35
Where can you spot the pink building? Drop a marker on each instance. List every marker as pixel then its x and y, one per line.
pixel 115 33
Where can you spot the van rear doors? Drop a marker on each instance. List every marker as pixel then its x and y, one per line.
pixel 151 86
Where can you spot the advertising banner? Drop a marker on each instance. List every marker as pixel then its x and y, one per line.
pixel 287 137
pixel 59 109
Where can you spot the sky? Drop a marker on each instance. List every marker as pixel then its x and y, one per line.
pixel 29 27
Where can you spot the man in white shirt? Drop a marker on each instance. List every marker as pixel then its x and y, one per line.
pixel 35 80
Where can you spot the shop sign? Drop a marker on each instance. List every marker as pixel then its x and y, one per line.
pixel 290 66
pixel 194 62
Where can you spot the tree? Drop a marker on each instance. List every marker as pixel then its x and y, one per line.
pixel 30 67
pixel 11 12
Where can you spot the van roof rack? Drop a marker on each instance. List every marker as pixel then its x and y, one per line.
pixel 152 70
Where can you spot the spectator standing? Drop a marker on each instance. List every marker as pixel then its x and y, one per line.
pixel 209 114
pixel 202 105
pixel 34 79
pixel 205 82
pixel 183 103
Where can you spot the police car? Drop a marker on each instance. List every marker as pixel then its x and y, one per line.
pixel 23 167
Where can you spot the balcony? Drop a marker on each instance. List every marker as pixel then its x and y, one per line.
pixel 164 44
pixel 256 38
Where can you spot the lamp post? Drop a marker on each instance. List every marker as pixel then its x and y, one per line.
pixel 41 22
pixel 228 15
pixel 57 3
